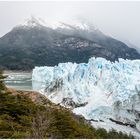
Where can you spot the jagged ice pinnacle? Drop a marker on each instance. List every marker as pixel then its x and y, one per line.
pixel 98 90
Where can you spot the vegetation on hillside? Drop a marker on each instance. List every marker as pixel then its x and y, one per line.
pixel 21 117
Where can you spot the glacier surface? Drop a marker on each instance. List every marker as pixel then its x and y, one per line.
pixel 99 90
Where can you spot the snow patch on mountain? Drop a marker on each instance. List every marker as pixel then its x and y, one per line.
pixel 32 22
pixel 99 90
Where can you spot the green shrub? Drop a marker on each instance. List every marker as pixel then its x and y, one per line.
pixel 22 118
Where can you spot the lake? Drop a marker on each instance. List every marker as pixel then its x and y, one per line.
pixel 19 80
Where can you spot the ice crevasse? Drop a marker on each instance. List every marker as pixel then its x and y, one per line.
pixel 99 90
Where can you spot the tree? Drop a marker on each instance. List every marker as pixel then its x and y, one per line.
pixel 41 124
pixel 2 86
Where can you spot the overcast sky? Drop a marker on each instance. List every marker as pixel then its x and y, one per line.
pixel 117 19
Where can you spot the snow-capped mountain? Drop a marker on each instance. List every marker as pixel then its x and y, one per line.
pixel 36 42
pixel 100 90
pixel 32 22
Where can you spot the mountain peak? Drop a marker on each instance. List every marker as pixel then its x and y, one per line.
pixel 75 25
pixel 33 22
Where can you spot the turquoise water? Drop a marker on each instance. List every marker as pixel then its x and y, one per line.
pixel 19 80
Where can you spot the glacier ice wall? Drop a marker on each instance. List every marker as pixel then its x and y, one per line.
pixel 98 90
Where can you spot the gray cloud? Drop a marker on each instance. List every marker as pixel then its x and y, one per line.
pixel 117 19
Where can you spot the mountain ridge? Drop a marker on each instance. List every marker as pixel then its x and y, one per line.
pixel 34 44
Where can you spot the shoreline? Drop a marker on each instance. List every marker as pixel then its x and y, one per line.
pixel 17 71
pixel 19 80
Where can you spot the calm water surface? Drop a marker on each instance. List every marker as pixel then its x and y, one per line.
pixel 19 80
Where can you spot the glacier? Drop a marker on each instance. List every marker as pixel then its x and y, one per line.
pixel 100 90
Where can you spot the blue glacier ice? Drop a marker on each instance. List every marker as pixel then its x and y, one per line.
pixel 121 79
pixel 107 89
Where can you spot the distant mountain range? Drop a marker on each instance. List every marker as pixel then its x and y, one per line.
pixel 36 43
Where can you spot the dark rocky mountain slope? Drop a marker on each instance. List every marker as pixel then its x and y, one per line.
pixel 34 44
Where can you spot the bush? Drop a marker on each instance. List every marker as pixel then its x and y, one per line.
pixel 22 118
